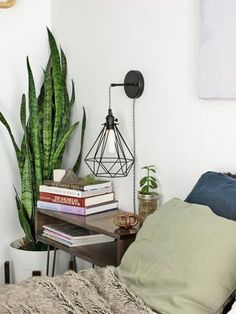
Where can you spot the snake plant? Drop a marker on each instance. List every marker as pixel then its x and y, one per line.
pixel 46 131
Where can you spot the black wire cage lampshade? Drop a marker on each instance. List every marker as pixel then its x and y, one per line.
pixel 110 156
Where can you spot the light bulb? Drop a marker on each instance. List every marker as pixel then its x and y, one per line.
pixel 111 142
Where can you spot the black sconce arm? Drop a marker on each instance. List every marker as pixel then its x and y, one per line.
pixel 133 84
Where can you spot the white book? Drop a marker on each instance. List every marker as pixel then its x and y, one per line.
pixel 74 193
pixel 84 211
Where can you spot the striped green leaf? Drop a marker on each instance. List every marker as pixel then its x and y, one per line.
pixel 65 96
pixel 47 121
pixel 27 180
pixel 23 218
pixel 23 124
pixel 27 198
pixel 60 147
pixel 40 101
pixel 77 164
pixel 23 147
pixel 57 83
pixel 67 113
pixel 34 128
pixel 63 65
pixel 72 99
pixel 17 150
pixel 23 111
pixel 41 97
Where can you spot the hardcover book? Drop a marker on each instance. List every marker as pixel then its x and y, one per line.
pixel 79 185
pixel 77 243
pixel 84 211
pixel 76 201
pixel 72 235
pixel 69 231
pixel 73 193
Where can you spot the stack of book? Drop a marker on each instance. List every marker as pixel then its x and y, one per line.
pixel 71 235
pixel 80 199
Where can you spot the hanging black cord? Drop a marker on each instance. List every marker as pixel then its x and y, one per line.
pixel 134 143
pixel 134 153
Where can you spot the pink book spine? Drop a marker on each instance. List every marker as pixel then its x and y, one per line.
pixel 61 208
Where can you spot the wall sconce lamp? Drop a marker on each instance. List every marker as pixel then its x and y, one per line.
pixel 110 156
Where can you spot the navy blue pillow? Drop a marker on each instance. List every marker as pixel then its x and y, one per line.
pixel 218 191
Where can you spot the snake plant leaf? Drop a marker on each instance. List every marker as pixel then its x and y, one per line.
pixel 62 144
pixel 23 124
pixel 63 65
pixel 72 99
pixel 64 76
pixel 17 150
pixel 57 81
pixel 26 153
pixel 34 128
pixel 27 188
pixel 65 123
pixel 41 97
pixel 40 101
pixel 23 111
pixel 23 147
pixel 77 165
pixel 24 220
pixel 67 113
pixel 47 121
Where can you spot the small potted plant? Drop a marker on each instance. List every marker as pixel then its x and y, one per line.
pixel 148 195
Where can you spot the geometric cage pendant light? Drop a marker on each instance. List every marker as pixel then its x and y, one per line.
pixel 110 156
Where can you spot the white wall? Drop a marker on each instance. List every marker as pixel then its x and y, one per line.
pixel 103 39
pixel 22 33
pixel 181 134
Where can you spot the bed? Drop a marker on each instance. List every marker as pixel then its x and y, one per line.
pixel 183 261
pixel 92 291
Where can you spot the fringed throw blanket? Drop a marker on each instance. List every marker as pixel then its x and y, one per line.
pixel 91 292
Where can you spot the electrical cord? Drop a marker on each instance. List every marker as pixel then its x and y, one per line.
pixel 134 153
